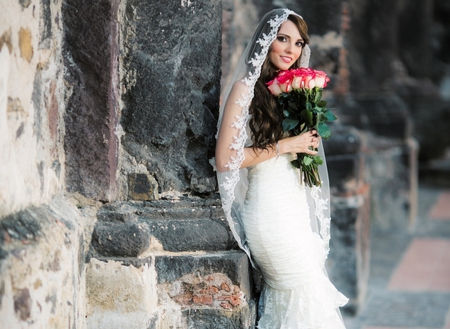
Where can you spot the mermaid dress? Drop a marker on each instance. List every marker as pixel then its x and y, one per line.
pixel 297 294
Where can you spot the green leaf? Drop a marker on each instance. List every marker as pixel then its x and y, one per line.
pixel 318 95
pixel 289 124
pixel 292 105
pixel 286 113
pixel 295 163
pixel 323 130
pixel 321 118
pixel 318 160
pixel 307 160
pixel 308 106
pixel 330 116
pixel 308 117
pixel 322 103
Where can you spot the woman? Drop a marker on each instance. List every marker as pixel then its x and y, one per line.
pixel 273 215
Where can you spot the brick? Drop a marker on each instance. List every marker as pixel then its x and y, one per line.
pixel 203 299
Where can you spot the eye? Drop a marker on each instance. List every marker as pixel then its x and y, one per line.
pixel 281 38
pixel 300 44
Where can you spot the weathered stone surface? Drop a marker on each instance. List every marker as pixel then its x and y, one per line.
pixel 45 25
pixel 344 158
pixel 218 319
pixel 142 187
pixel 234 263
pixel 348 262
pixel 25 44
pixel 171 79
pixel 24 225
pixel 194 234
pixel 127 292
pixel 41 271
pixel 392 175
pixel 91 59
pixel 120 296
pixel 185 225
pixel 216 286
pixel 127 239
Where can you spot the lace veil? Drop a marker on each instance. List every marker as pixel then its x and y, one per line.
pixel 233 183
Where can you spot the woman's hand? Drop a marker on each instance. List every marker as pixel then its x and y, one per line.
pixel 300 143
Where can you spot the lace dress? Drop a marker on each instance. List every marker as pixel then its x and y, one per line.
pixel 297 292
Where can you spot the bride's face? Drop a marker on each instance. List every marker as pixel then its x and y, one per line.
pixel 287 47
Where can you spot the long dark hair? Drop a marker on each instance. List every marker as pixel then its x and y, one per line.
pixel 265 122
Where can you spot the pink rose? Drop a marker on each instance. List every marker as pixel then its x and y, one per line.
pixel 321 79
pixel 274 87
pixel 303 77
pixel 308 77
pixel 297 82
pixel 282 83
pixel 284 78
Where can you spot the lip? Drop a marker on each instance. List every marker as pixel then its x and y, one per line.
pixel 286 59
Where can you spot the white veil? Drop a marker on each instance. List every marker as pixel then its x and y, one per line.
pixel 233 183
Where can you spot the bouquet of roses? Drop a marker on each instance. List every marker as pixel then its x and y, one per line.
pixel 299 97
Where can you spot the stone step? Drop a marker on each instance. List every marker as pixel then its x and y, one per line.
pixel 193 290
pixel 128 229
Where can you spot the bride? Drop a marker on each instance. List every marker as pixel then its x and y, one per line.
pixel 282 224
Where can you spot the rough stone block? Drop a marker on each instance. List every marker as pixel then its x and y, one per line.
pixel 219 319
pixel 191 235
pixel 128 239
pixel 234 264
pixel 171 96
pixel 91 47
pixel 189 224
pixel 120 296
pixel 212 290
pixel 42 268
pixel 142 187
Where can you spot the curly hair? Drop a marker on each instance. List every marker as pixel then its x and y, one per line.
pixel 266 122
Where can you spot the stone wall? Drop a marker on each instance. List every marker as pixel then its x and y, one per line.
pixel 170 93
pixel 42 241
pixel 114 100
pixel 31 104
pixel 91 60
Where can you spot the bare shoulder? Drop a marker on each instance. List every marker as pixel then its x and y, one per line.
pixel 239 87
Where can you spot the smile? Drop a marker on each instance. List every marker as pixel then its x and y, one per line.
pixel 286 59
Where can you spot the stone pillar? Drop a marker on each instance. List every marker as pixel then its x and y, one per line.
pixel 349 261
pixel 91 49
pixel 171 84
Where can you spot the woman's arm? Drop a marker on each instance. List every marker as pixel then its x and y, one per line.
pixel 227 134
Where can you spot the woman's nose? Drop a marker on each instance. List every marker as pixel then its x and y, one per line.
pixel 289 48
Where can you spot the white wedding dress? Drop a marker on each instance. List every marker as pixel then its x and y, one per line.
pixel 297 293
